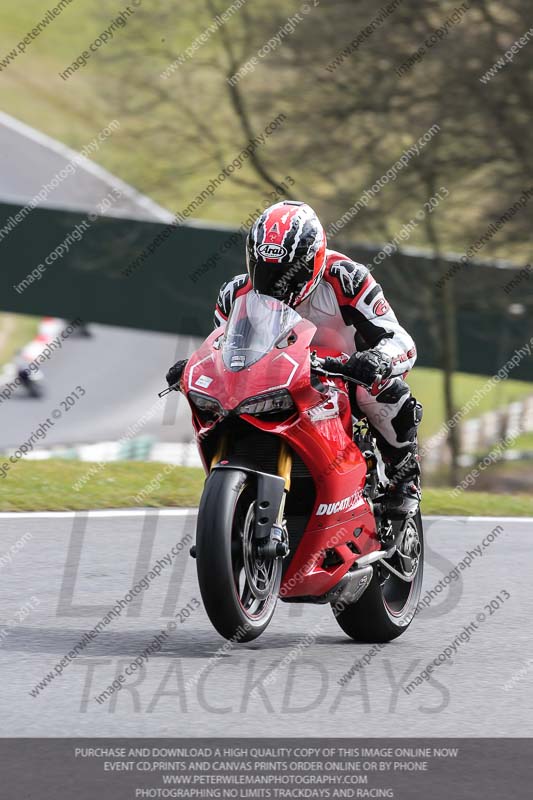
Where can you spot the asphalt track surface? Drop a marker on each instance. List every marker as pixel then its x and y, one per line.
pixel 121 370
pixel 30 161
pixel 75 567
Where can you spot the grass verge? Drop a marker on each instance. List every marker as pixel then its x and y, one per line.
pixel 16 330
pixel 427 386
pixel 48 486
pixel 476 504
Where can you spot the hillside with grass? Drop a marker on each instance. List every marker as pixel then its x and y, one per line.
pixel 75 110
pixel 181 122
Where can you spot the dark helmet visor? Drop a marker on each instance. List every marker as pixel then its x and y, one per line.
pixel 281 281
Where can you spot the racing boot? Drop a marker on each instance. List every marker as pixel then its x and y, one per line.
pixel 403 493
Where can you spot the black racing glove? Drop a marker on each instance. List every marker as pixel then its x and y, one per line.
pixel 176 371
pixel 368 366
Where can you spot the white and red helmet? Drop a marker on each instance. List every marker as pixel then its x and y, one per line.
pixel 286 252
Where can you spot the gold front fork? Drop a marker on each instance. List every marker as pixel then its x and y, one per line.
pixel 285 465
pixel 284 471
pixel 219 452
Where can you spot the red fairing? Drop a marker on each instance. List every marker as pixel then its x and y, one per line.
pixel 319 432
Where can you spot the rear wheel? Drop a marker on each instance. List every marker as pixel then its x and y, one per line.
pixel 238 587
pixel 388 606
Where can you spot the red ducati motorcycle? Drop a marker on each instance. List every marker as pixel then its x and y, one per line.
pixel 292 504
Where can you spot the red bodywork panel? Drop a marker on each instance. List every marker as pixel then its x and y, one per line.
pixel 319 432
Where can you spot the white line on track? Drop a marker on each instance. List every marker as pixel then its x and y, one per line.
pixel 115 512
pixel 156 212
pixel 183 512
pixel 443 518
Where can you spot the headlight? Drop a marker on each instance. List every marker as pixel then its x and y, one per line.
pixel 206 404
pixel 267 403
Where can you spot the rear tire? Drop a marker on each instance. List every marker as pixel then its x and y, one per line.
pixel 388 606
pixel 238 589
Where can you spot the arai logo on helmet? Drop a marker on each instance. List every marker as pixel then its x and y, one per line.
pixel 270 250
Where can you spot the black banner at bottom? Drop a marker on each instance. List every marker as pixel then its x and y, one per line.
pixel 128 769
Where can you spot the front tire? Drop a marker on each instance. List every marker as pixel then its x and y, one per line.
pixel 388 606
pixel 238 588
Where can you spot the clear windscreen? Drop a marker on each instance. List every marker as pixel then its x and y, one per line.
pixel 256 324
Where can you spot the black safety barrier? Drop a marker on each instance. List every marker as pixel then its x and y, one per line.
pixel 166 278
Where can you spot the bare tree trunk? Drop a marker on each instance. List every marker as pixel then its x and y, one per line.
pixel 448 349
pixel 449 364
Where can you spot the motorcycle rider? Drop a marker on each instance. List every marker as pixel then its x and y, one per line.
pixel 287 259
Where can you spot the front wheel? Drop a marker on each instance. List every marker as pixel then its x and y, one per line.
pixel 388 606
pixel 238 587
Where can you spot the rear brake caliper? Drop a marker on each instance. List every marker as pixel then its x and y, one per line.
pixel 409 549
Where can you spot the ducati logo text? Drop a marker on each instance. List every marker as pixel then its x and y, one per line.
pixel 342 505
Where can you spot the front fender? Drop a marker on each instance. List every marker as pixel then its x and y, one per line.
pixel 270 490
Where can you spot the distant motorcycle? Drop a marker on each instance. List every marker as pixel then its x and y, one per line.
pixel 32 380
pixel 292 506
